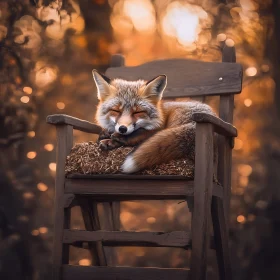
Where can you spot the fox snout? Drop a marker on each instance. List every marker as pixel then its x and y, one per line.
pixel 124 125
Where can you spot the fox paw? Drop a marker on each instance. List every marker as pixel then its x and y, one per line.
pixel 104 134
pixel 129 165
pixel 119 138
pixel 108 144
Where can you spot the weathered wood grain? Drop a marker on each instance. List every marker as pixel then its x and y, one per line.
pixel 179 239
pixel 203 186
pixel 92 223
pixel 82 125
pixel 224 144
pixel 220 126
pixel 221 239
pixel 187 78
pixel 62 215
pixel 120 190
pixel 122 273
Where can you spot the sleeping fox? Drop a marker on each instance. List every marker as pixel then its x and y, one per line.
pixel 132 113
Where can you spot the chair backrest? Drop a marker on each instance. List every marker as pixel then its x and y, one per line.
pixel 185 77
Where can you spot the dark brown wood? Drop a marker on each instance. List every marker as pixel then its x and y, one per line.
pixel 127 177
pixel 124 273
pixel 203 186
pixel 220 126
pixel 221 239
pixel 187 78
pixel 117 60
pixel 62 215
pixel 68 200
pixel 120 190
pixel 76 123
pixel 92 223
pixel 224 144
pixel 179 239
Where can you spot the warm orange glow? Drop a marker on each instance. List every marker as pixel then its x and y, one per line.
pixel 265 68
pixel 241 219
pixel 244 169
pixel 52 166
pixel 49 147
pixel 243 181
pixel 60 105
pixel 42 187
pixel 141 13
pixel 31 134
pixel 44 75
pixel 238 144
pixel 151 220
pixel 248 102
pixel 85 262
pixel 221 37
pixel 66 80
pixel 31 155
pixel 182 22
pixel 24 99
pixel 27 90
pixel 43 230
pixel 28 195
pixel 251 71
pixel 230 42
pixel 35 232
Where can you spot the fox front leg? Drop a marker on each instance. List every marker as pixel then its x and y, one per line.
pixel 133 139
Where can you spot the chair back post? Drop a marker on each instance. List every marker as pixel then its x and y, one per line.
pixel 225 144
pixel 62 215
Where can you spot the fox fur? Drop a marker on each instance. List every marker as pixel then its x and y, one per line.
pixel 132 113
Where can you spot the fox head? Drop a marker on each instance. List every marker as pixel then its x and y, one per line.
pixel 126 106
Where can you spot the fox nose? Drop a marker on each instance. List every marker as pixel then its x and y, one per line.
pixel 122 129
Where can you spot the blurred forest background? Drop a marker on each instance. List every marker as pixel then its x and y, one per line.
pixel 47 51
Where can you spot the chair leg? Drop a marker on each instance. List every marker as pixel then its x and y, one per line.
pixel 112 223
pixel 221 239
pixel 91 220
pixel 203 185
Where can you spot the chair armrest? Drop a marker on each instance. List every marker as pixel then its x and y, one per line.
pixel 60 119
pixel 220 126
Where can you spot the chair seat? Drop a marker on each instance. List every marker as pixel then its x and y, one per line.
pixel 87 158
pixel 133 187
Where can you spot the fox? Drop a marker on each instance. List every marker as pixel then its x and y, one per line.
pixel 132 113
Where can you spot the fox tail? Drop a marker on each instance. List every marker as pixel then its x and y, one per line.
pixel 171 143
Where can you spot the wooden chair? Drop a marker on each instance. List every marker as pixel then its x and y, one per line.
pixel 186 78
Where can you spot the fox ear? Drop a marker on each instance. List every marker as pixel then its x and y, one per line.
pixel 102 84
pixel 155 87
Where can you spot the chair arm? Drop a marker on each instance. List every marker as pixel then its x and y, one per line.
pixel 220 126
pixel 60 119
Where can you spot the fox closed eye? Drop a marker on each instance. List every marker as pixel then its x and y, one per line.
pixel 116 111
pixel 140 112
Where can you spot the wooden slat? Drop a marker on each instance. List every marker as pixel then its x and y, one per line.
pixel 195 78
pixel 112 190
pixel 82 125
pixel 179 239
pixel 203 186
pixel 127 177
pixel 128 273
pixel 220 126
